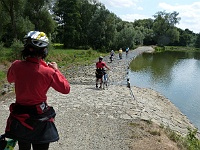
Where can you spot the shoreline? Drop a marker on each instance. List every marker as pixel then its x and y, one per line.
pixel 150 104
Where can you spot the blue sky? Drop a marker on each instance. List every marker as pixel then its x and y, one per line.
pixel 130 10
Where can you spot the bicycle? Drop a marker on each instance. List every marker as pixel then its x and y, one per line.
pixel 111 58
pixel 120 55
pixel 126 53
pixel 105 80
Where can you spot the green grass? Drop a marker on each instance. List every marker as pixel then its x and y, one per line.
pixel 2 75
pixel 177 48
pixel 66 57
pixel 189 142
pixel 182 48
pixel 5 55
pixel 73 57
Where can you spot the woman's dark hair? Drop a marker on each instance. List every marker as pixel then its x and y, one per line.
pixel 29 51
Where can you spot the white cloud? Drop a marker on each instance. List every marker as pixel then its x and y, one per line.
pixel 129 10
pixel 140 8
pixel 123 6
pixel 132 17
pixel 189 14
pixel 119 3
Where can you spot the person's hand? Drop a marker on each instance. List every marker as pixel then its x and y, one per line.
pixel 53 65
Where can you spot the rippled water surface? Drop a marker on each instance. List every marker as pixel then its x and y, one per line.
pixel 174 74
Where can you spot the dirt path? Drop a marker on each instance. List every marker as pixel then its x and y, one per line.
pixel 94 119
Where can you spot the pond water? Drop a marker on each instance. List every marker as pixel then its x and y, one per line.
pixel 174 74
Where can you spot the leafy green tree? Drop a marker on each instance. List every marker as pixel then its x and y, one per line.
pixel 164 27
pixel 4 22
pixel 146 23
pixel 38 13
pixel 146 28
pixel 11 12
pixel 126 37
pixel 149 37
pixel 69 22
pixel 102 29
pixel 23 26
pixel 197 43
pixel 173 34
pixel 21 16
pixel 185 38
pixel 87 10
pixel 120 25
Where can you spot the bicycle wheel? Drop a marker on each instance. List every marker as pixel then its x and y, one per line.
pixel 105 81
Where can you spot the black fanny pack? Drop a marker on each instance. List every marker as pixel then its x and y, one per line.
pixel 40 112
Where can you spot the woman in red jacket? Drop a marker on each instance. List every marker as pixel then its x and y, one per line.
pixel 31 120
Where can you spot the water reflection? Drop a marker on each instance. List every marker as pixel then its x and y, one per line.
pixel 175 75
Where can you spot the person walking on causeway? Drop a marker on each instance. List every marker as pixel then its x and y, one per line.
pixel 120 53
pixel 31 119
pixel 100 71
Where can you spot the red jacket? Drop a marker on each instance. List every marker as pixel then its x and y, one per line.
pixel 33 78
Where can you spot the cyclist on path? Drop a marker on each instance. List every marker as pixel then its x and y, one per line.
pixel 112 53
pixel 127 50
pixel 120 53
pixel 100 71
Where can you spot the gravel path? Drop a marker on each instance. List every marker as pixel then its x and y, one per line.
pixel 94 119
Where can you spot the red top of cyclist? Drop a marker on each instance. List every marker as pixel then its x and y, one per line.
pixel 100 71
pixel 101 64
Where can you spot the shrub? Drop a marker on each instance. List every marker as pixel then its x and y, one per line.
pixel 1 46
pixel 58 46
pixel 16 47
pixel 1 49
pixel 159 49
pixel 192 142
pixel 2 75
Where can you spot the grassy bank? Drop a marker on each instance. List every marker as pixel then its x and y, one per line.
pixel 66 57
pixel 156 133
pixel 177 48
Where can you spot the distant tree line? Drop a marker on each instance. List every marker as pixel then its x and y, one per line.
pixel 88 24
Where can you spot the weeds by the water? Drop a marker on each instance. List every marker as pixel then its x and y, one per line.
pixel 193 142
pixel 176 48
pixel 188 142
